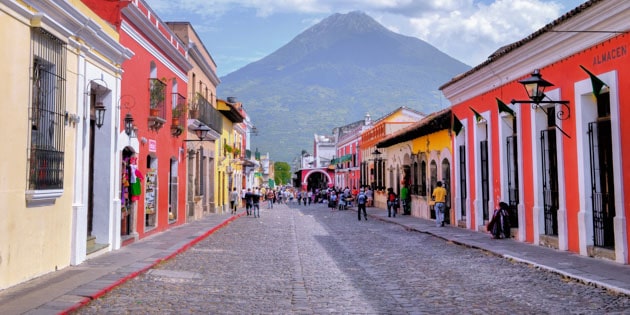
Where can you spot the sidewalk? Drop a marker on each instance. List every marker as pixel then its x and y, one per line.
pixel 601 273
pixel 72 287
pixel 65 290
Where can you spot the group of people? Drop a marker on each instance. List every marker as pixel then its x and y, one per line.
pixel 251 199
pixel 342 199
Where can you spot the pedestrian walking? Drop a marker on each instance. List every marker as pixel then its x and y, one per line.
pixel 439 196
pixel 332 200
pixel 370 197
pixel 270 196
pixel 361 203
pixel 405 199
pixel 248 201
pixel 391 202
pixel 234 197
pixel 256 203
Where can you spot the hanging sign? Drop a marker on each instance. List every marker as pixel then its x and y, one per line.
pixel 152 145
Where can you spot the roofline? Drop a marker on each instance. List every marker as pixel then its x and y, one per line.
pixel 504 50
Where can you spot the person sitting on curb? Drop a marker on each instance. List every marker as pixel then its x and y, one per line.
pixel 499 225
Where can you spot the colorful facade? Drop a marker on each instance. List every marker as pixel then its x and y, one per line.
pixel 348 156
pixel 202 112
pixel 377 173
pixel 420 156
pixel 63 59
pixel 227 162
pixel 154 89
pixel 558 160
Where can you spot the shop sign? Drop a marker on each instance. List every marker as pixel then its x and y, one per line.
pixel 152 145
pixel 610 55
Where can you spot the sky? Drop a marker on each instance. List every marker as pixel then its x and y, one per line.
pixel 238 32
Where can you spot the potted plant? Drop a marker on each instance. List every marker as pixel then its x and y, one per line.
pixel 157 89
pixel 193 107
pixel 177 114
pixel 227 149
pixel 177 130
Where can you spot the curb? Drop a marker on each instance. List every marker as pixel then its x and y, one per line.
pixel 134 274
pixel 581 279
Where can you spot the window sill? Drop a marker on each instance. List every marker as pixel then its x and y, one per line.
pixel 41 198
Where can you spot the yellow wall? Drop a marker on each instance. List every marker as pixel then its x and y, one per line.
pixel 437 141
pixel 36 240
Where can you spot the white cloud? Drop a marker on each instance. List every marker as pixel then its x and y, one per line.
pixel 472 33
pixel 468 30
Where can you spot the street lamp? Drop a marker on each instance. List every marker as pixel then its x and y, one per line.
pixel 100 109
pixel 535 87
pixel 201 132
pixel 129 127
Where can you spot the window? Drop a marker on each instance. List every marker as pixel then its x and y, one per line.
pixel 47 110
pixel 198 179
pixel 423 178
pixel 434 174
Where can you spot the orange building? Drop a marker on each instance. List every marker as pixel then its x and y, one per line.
pixel 556 157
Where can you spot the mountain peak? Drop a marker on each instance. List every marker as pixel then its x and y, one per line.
pixel 354 22
pixel 332 74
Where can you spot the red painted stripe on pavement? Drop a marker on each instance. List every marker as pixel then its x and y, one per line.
pixel 182 249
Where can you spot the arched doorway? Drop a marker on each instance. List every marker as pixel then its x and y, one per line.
pixel 316 180
pixel 127 183
pixel 446 183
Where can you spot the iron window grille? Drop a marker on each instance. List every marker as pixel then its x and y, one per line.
pixel 485 179
pixel 602 175
pixel 47 111
pixel 462 181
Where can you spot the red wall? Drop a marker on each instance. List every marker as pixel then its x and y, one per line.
pixel 563 74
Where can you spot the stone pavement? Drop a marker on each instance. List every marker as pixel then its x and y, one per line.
pixel 66 290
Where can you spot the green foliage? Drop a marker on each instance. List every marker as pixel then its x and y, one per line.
pixel 282 173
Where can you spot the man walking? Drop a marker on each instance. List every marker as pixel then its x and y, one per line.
pixel 361 202
pixel 439 196
pixel 234 200
pixel 256 203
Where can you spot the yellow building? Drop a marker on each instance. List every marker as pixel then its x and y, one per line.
pixel 226 159
pixel 61 59
pixel 417 157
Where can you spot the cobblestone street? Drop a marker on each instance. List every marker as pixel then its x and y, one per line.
pixel 313 260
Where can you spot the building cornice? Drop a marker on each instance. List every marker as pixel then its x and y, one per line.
pixel 170 46
pixel 129 30
pixel 76 29
pixel 200 60
pixel 553 43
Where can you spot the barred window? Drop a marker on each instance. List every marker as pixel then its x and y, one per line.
pixel 47 109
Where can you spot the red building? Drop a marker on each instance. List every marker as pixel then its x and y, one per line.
pixel 153 97
pixel 556 154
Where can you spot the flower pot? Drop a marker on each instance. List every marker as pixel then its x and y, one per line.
pixel 192 113
pixel 175 121
pixel 154 112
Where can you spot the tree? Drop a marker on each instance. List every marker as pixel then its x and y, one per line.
pixel 282 173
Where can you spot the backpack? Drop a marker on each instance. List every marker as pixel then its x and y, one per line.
pixel 361 198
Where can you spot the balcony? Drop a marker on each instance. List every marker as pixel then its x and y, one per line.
pixel 157 103
pixel 178 114
pixel 208 115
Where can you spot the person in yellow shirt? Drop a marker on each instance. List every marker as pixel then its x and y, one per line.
pixel 439 196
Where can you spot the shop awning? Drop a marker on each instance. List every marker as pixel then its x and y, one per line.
pixel 344 158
